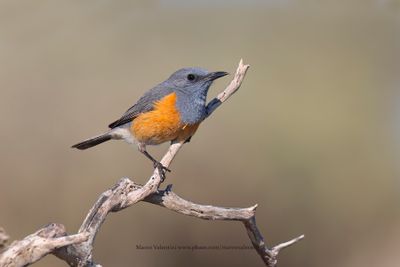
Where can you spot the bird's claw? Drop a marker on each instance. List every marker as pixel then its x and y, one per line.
pixel 161 169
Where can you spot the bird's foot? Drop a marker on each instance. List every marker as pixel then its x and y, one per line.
pixel 161 169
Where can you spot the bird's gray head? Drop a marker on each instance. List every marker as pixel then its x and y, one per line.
pixel 191 85
pixel 192 80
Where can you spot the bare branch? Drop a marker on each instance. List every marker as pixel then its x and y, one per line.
pixel 37 245
pixel 230 89
pixel 277 248
pixel 109 201
pixel 172 201
pixel 269 256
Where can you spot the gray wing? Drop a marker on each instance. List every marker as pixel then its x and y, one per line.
pixel 144 104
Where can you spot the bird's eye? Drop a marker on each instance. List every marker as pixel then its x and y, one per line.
pixel 191 77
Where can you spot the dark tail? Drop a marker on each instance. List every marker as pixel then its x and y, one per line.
pixel 93 141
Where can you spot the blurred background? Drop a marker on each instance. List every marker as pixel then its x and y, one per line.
pixel 312 136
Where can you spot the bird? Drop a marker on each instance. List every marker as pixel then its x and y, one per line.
pixel 170 111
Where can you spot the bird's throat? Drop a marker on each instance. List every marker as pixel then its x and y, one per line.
pixel 192 107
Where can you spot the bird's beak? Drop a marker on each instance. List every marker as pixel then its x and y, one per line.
pixel 215 75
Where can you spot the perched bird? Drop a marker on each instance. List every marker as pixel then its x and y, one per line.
pixel 170 111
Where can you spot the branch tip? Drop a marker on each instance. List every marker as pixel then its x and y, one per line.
pixel 254 207
pixel 281 246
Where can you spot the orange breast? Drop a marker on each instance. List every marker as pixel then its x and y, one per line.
pixel 162 124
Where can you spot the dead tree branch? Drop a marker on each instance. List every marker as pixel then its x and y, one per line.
pixel 77 249
pixel 171 201
pixel 37 245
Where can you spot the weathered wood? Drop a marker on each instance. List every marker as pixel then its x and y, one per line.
pixel 37 245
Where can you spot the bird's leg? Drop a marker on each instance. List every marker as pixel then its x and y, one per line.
pixel 161 168
pixel 155 162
